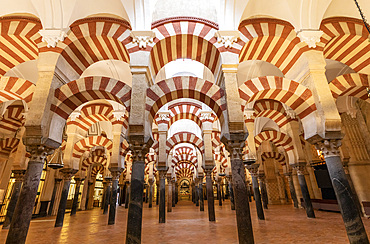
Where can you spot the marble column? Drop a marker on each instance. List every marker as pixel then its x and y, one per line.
pixel 18 175
pixel 146 196
pixel 157 193
pixel 173 193
pixel 75 197
pixel 127 198
pixel 196 193
pixel 253 169
pixel 57 182
pixel 231 193
pixel 262 183
pixel 151 181
pixel 222 191
pixel 26 201
pixel 107 195
pixel 169 194
pixel 176 193
pixel 200 193
pixel 116 172
pixel 67 176
pixel 105 185
pixel 162 195
pixel 351 217
pixel 120 199
pixel 292 189
pixel 300 168
pixel 350 182
pixel 243 217
pixel 89 185
pixel 210 195
pixel 219 192
pixel 135 209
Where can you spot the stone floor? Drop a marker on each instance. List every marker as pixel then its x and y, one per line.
pixel 186 224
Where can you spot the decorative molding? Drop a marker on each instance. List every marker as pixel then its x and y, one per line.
pixel 74 115
pixel 329 148
pixel 118 115
pixel 264 20
pixel 310 37
pixel 248 113
pixel 206 115
pixel 300 167
pixel 52 36
pixel 102 19
pixel 142 38
pixel 227 38
pixel 184 18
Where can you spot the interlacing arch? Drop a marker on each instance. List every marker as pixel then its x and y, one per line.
pixel 91 40
pixel 353 84
pixel 71 95
pixel 182 137
pixel 12 119
pixel 271 40
pixel 271 109
pixel 8 145
pixel 346 41
pixel 89 142
pixel 98 156
pixel 14 88
pixel 19 40
pixel 280 158
pixel 185 87
pixel 92 113
pixel 291 93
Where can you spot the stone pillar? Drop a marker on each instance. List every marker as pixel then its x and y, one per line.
pixel 162 195
pixel 253 169
pixel 116 172
pixel 243 217
pixel 173 193
pixel 176 192
pixel 23 210
pixel 18 175
pixel 200 193
pixel 352 220
pixel 219 192
pixel 169 193
pixel 222 191
pixel 350 182
pixel 107 195
pixel 122 194
pixel 105 185
pixel 157 193
pixel 135 209
pixel 88 195
pixel 151 181
pixel 75 197
pixel 57 182
pixel 300 168
pixel 196 192
pixel 146 195
pixel 67 176
pixel 292 189
pixel 210 196
pixel 262 178
pixel 231 192
pixel 127 199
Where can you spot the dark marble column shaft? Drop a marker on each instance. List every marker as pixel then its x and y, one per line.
pixel 196 194
pixel 173 193
pixel 351 217
pixel 135 209
pixel 89 185
pixel 231 193
pixel 293 194
pixel 105 185
pixel 75 197
pixel 113 199
pixel 18 175
pixel 127 199
pixel 150 193
pixel 176 193
pixel 53 196
pixel 162 196
pixel 26 201
pixel 243 217
pixel 257 198
pixel 300 167
pixel 210 196
pixel 219 194
pixel 169 194
pixel 107 196
pixel 200 189
pixel 264 195
pixel 157 194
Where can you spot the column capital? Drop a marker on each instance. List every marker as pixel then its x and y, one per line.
pixel 253 169
pixel 38 152
pixel 329 147
pixel 300 167
pixel 162 173
pixel 19 174
pixel 227 38
pixel 310 37
pixel 115 172
pixel 138 151
pixel 68 173
pixel 142 38
pixel 52 36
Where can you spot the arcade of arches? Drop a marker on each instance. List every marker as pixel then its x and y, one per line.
pixel 118 107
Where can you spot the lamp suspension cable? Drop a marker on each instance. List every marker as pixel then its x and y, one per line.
pixel 363 17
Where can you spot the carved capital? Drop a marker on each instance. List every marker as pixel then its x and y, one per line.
pixel 52 36
pixel 18 175
pixel 118 115
pixel 162 174
pixel 206 116
pixel 68 173
pixel 253 169
pixel 142 38
pixel 138 151
pixel 115 172
pixel 249 113
pixel 300 167
pixel 310 37
pixel 329 148
pixel 38 152
pixel 227 38
pixel 261 176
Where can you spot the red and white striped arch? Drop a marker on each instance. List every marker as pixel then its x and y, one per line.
pixel 184 173
pixel 87 143
pixel 91 40
pixel 275 155
pixel 182 137
pixel 184 150
pixel 271 40
pixel 150 157
pixel 354 85
pixel 97 169
pixel 98 156
pixel 14 88
pixel 293 94
pixel 124 148
pixel 222 159
pixel 185 87
pixel 8 145
pixel 278 138
pixel 71 95
pixel 12 119
pixel 19 39
pixel 346 41
pixel 271 109
pixel 178 158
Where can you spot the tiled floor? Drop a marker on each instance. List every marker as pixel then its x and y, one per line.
pixel 186 224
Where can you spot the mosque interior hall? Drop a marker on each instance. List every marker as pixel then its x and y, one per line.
pixel 184 121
